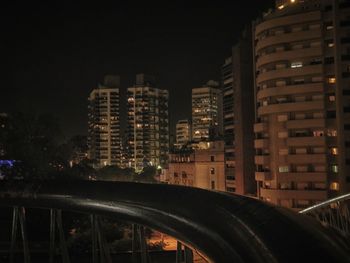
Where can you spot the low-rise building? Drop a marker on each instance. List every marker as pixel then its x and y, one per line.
pixel 203 167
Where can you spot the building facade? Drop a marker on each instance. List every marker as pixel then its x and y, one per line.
pixel 148 124
pixel 206 111
pixel 103 123
pixel 244 114
pixel 183 133
pixel 228 123
pixel 302 58
pixel 203 168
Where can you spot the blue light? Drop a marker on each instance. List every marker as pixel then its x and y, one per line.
pixel 8 163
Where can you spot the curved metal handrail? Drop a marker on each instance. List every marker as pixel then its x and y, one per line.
pixel 226 228
pixel 325 204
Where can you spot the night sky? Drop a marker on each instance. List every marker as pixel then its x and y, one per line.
pixel 54 53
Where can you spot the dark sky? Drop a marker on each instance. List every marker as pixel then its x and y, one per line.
pixel 54 53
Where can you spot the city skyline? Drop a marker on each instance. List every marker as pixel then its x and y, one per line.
pixel 59 53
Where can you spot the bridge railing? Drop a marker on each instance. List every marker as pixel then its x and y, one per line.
pixel 333 213
pixel 223 227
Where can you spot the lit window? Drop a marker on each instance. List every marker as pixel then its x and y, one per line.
pixel 331 44
pixel 334 168
pixel 334 186
pixel 331 133
pixel 280 7
pixel 331 80
pixel 297 64
pixel 292 1
pixel 331 97
pixel 283 169
pixel 212 170
pixel 318 133
pixel 334 150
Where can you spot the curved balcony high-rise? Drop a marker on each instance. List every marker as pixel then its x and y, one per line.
pixel 302 67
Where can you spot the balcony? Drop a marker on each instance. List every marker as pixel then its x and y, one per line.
pixel 262 159
pixel 306 158
pixel 306 141
pixel 293 194
pixel 308 123
pixel 304 177
pixel 289 55
pixel 290 72
pixel 288 38
pixel 262 176
pixel 261 143
pixel 291 107
pixel 260 127
pixel 287 20
pixel 290 90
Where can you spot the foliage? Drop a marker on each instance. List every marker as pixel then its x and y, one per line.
pixel 33 140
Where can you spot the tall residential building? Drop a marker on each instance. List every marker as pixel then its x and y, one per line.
pixel 244 114
pixel 302 58
pixel 206 111
pixel 183 133
pixel 228 123
pixel 103 127
pixel 148 124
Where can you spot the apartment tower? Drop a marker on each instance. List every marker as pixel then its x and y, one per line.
pixel 148 124
pixel 206 111
pixel 228 123
pixel 302 67
pixel 183 133
pixel 103 123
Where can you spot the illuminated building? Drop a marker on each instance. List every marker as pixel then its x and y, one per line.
pixel 104 128
pixel 183 133
pixel 206 111
pixel 202 167
pixel 148 124
pixel 302 58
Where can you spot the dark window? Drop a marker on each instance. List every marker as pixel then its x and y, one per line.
pixel 331 114
pixel 212 185
pixel 212 170
pixel 345 23
pixel 212 158
pixel 328 8
pixel 345 40
pixel 345 57
pixel 329 60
